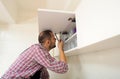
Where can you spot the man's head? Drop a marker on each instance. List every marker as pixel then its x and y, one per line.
pixel 47 39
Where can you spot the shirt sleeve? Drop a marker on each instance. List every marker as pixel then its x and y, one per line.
pixel 43 57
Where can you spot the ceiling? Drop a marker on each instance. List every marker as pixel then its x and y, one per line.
pixel 17 11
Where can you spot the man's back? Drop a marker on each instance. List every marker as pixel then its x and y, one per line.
pixel 24 66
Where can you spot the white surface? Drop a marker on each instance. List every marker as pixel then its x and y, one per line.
pixel 97 20
pixel 110 43
pixel 14 40
pixel 102 64
pixel 5 16
pixel 55 20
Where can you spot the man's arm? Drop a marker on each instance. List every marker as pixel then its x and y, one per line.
pixel 62 54
pixel 44 58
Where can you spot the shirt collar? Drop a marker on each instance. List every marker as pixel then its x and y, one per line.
pixel 42 47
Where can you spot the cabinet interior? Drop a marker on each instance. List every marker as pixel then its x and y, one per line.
pixel 63 23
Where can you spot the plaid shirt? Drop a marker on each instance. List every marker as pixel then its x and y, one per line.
pixel 33 59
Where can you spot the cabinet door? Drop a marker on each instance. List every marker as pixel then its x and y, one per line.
pixel 55 20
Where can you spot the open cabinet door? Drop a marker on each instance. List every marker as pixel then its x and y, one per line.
pixel 53 19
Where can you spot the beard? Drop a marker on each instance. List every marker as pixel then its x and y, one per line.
pixel 52 46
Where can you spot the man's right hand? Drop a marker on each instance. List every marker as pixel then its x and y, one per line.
pixel 60 44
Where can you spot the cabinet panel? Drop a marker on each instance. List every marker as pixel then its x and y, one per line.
pixel 54 19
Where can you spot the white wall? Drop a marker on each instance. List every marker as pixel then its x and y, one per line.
pixel 14 39
pixel 11 8
pixel 95 65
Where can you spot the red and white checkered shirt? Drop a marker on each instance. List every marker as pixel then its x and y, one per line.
pixel 33 59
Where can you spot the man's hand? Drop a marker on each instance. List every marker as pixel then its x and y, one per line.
pixel 60 45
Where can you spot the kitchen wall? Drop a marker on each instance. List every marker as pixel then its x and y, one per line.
pixel 93 65
pixel 14 39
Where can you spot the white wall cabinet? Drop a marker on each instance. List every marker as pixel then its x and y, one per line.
pixel 60 22
pixel 92 34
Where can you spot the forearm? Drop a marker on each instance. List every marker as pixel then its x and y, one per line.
pixel 62 55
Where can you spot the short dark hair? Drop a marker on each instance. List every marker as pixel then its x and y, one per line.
pixel 46 34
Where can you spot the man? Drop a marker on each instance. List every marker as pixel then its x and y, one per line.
pixel 34 61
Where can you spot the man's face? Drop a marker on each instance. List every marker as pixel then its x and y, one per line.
pixel 52 41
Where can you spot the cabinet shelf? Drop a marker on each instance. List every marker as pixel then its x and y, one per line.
pixel 71 37
pixel 71 42
pixel 110 43
pixel 70 50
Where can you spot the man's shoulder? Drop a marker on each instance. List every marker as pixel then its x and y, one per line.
pixel 37 45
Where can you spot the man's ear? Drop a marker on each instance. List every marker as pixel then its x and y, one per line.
pixel 47 41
